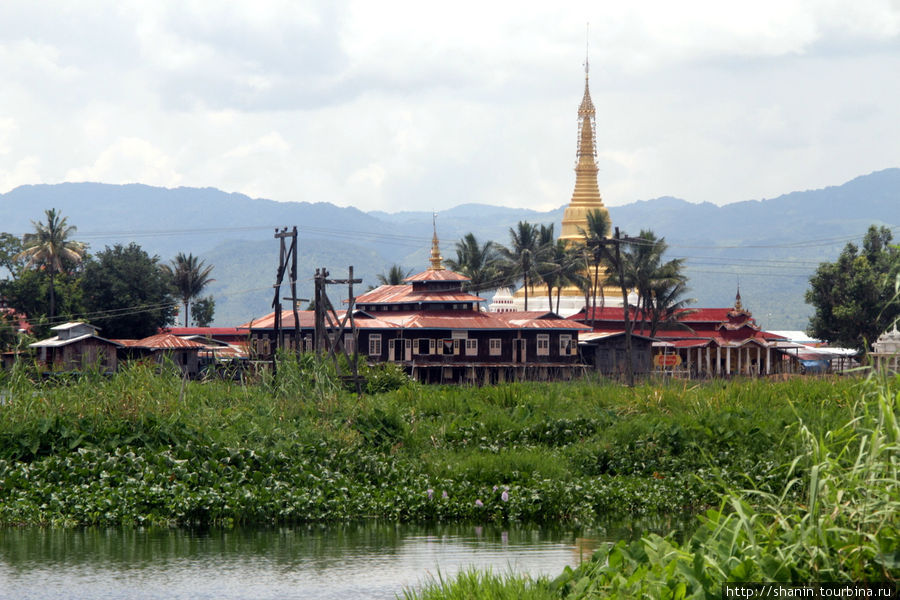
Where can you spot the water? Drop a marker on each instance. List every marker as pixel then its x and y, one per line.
pixel 314 562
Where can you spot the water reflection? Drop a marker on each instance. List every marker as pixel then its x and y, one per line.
pixel 368 560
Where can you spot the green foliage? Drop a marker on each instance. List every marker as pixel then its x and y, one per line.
pixel 126 293
pixel 204 310
pixel 473 584
pixel 188 276
pixel 144 447
pixel 385 377
pixel 854 297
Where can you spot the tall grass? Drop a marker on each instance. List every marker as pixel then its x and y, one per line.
pixel 560 451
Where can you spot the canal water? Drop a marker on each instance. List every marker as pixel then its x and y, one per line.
pixel 314 562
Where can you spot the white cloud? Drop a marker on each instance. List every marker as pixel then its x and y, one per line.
pixel 129 160
pixel 388 105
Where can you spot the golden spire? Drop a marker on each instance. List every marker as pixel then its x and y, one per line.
pixel 586 196
pixel 737 299
pixel 435 251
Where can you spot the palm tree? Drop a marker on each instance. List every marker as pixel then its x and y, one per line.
pixel 596 250
pixel 659 285
pixel 189 276
pixel 667 306
pixel 49 246
pixel 571 268
pixel 523 256
pixel 478 262
pixel 394 276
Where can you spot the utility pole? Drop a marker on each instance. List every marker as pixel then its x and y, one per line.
pixel 629 367
pixel 327 321
pixel 285 253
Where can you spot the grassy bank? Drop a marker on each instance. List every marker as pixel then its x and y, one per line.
pixel 147 448
pixel 835 519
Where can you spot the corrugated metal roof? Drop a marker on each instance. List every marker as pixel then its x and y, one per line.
pixel 166 341
pixel 442 275
pixel 433 319
pixel 205 331
pixel 405 294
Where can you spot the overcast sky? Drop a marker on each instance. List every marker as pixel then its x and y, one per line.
pixel 425 105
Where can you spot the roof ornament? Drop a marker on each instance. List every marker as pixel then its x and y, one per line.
pixel 587 39
pixel 436 264
pixel 737 298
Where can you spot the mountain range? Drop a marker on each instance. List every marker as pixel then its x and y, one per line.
pixel 766 248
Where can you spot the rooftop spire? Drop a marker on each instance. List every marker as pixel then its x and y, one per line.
pixel 587 53
pixel 436 258
pixel 586 196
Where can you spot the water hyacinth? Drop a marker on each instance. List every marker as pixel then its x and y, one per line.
pixel 445 495
pixel 430 493
pixel 479 503
pixel 504 496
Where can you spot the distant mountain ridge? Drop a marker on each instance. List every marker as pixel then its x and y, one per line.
pixel 768 247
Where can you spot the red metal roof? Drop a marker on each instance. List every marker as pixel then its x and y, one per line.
pixel 307 319
pixel 434 319
pixel 209 332
pixel 166 341
pixel 432 275
pixel 405 294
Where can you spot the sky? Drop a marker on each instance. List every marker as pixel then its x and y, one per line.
pixel 424 106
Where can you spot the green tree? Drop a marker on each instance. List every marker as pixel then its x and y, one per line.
pixel 597 252
pixel 660 286
pixel 189 276
pixel 50 248
pixel 395 275
pixel 10 249
pixel 477 261
pixel 203 310
pixel 127 293
pixel 854 297
pixel 524 256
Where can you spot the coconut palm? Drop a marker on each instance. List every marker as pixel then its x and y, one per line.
pixel 596 251
pixel 396 275
pixel 667 304
pixel 49 247
pixel 524 255
pixel 478 262
pixel 659 285
pixel 189 276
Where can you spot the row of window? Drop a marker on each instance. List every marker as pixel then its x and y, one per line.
pixel 425 346
pixel 453 346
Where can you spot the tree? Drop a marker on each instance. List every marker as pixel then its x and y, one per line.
pixel 203 310
pixel 127 293
pixel 596 252
pixel 854 297
pixel 49 247
pixel 524 255
pixel 396 275
pixel 660 286
pixel 10 249
pixel 478 262
pixel 189 276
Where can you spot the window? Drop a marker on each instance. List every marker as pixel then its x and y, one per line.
pixel 450 347
pixel 494 346
pixel 374 344
pixel 471 347
pixel 566 348
pixel 543 344
pixel 423 346
pixel 350 343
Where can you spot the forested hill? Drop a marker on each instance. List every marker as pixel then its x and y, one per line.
pixel 768 246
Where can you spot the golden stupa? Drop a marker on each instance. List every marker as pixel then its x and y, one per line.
pixel 585 198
